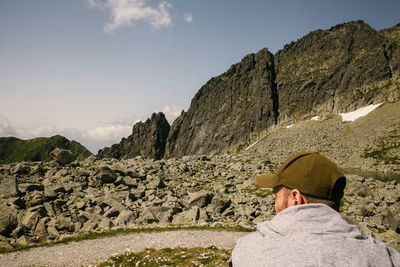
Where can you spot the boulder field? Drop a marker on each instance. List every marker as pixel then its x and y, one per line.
pixel 47 201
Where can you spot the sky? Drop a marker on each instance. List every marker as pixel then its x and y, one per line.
pixel 90 69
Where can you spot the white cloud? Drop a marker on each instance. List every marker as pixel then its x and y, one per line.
pixel 93 139
pixel 188 17
pixel 171 112
pixel 125 12
pixel 109 133
pixel 6 129
pixel 44 130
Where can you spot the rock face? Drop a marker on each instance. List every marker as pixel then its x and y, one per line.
pixel 228 108
pixel 148 140
pixel 337 70
pixel 38 149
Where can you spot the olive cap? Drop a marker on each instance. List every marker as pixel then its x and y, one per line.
pixel 310 172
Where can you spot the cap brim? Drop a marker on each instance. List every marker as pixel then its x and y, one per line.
pixel 267 180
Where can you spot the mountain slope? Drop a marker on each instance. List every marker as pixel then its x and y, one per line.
pixel 370 143
pixel 38 149
pixel 335 70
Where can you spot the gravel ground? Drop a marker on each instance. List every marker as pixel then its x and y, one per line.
pixel 91 252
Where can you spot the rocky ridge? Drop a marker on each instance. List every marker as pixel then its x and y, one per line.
pixel 47 201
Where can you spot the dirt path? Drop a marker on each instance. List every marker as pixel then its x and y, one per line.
pixel 91 252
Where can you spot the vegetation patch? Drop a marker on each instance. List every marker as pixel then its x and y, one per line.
pixel 381 153
pixel 258 191
pixel 210 256
pixel 38 149
pixel 121 231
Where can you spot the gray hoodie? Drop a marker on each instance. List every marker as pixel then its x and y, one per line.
pixel 311 235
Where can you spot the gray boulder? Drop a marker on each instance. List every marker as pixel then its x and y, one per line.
pixel 34 198
pixel 4 243
pixel 28 187
pixel 8 220
pixel 125 218
pixel 219 203
pixel 187 217
pixel 131 182
pixel 63 224
pixel 148 216
pixel 200 199
pixel 106 175
pixel 62 156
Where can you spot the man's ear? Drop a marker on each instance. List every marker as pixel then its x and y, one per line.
pixel 296 197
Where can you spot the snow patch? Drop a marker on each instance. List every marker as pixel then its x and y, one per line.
pixel 315 118
pixel 361 112
pixel 289 126
pixel 251 145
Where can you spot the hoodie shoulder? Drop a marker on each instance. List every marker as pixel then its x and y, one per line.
pixel 394 256
pixel 247 248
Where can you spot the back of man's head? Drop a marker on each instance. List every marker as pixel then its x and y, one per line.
pixel 315 176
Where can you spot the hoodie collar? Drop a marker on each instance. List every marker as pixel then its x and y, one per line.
pixel 309 218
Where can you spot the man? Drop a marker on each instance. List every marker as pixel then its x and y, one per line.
pixel 308 230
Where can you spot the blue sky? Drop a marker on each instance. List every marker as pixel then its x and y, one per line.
pixel 90 69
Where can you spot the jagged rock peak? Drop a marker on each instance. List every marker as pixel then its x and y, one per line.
pixel 227 108
pixel 147 140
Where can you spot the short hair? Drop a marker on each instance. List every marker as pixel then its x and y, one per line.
pixel 334 202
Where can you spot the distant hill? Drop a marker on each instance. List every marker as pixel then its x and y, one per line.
pixel 38 149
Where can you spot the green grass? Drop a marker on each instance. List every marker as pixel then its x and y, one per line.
pixel 381 153
pixel 122 231
pixel 210 256
pixel 241 147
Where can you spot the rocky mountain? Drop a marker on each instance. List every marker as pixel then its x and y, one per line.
pixel 327 71
pixel 148 140
pixel 38 149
